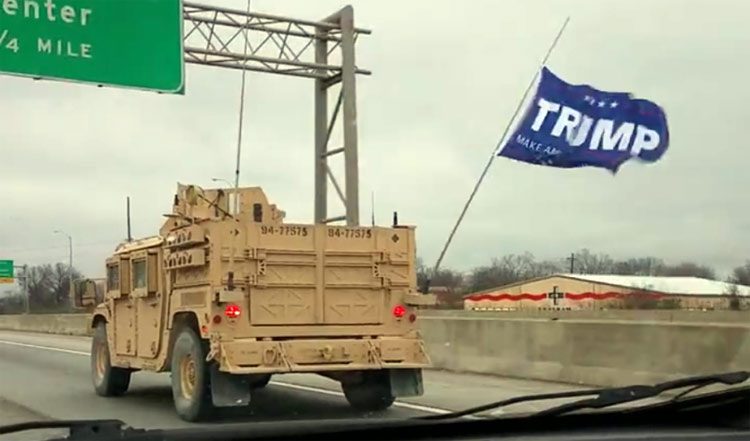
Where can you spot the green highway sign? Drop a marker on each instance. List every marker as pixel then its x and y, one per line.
pixel 133 43
pixel 6 271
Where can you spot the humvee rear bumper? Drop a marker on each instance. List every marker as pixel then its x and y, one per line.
pixel 250 356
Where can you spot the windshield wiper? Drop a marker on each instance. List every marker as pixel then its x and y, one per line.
pixel 77 428
pixel 604 397
pixel 615 396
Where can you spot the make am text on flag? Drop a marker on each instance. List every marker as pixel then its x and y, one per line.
pixel 571 126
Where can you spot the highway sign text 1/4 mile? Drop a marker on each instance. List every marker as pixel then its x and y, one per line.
pixel 6 271
pixel 134 43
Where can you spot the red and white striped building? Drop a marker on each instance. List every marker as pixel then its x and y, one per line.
pixel 588 291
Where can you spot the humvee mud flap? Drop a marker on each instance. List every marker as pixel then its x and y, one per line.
pixel 229 390
pixel 406 382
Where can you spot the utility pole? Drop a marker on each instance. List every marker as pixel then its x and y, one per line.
pixel 572 260
pixel 70 263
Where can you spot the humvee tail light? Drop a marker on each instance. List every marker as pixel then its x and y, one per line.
pixel 399 311
pixel 232 311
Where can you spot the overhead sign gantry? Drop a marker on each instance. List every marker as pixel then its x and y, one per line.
pixel 144 44
pixel 321 50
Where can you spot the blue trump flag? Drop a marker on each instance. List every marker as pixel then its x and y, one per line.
pixel 570 126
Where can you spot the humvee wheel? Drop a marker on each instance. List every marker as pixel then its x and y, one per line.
pixel 108 380
pixel 259 381
pixel 372 394
pixel 190 377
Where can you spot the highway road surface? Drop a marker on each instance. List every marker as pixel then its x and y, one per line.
pixel 46 376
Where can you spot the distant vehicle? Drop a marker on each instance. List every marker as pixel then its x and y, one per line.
pixel 224 301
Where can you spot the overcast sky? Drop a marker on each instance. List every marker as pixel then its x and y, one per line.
pixel 446 77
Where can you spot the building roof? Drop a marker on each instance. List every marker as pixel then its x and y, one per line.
pixel 664 284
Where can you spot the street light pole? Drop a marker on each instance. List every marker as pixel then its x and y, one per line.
pixel 26 293
pixel 70 263
pixel 229 184
pixel 26 288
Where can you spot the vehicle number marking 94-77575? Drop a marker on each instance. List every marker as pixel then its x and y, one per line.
pixel 283 230
pixel 350 233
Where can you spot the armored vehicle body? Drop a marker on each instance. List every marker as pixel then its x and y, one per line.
pixel 227 295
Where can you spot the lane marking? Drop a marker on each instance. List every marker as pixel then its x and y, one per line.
pixel 49 348
pixel 411 406
pixel 401 404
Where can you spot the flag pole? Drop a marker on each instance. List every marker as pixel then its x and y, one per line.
pixel 495 151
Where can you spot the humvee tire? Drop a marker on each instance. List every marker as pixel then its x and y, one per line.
pixel 259 381
pixel 372 394
pixel 108 381
pixel 191 389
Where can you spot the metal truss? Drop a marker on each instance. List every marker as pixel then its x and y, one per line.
pixel 214 37
pixel 321 50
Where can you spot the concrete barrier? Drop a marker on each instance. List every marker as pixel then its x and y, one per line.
pixel 638 315
pixel 588 352
pixel 67 324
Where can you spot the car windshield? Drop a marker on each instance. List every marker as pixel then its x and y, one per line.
pixel 258 210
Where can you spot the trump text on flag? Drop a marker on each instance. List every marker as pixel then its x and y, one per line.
pixel 576 125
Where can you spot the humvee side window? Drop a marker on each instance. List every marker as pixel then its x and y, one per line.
pixel 113 278
pixel 139 274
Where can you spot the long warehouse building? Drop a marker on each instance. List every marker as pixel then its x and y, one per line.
pixel 590 291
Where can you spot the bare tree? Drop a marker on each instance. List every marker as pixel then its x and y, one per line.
pixel 546 268
pixel 508 269
pixel 61 282
pixel 512 268
pixel 733 291
pixel 40 282
pixel 48 286
pixel 587 262
pixel 688 269
pixel 639 266
pixel 446 277
pixel 741 274
pixel 12 303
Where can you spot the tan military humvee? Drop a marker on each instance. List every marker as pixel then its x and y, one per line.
pixel 224 302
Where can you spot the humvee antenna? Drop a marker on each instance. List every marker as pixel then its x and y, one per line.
pixel 127 211
pixel 236 207
pixel 372 207
pixel 242 110
pixel 494 154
